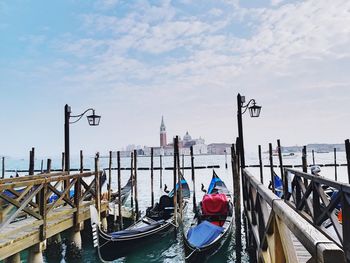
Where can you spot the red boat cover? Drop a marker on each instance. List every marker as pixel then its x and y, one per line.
pixel 214 204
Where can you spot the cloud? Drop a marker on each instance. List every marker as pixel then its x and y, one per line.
pixel 164 58
pixel 276 2
pixel 106 4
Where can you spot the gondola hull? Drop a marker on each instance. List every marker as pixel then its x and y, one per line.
pixel 110 250
pixel 200 255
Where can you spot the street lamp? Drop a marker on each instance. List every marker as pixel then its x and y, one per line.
pixel 254 111
pixel 93 119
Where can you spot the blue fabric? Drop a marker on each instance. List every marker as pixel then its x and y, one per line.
pixel 54 197
pixel 130 232
pixel 278 186
pixel 185 189
pixel 203 234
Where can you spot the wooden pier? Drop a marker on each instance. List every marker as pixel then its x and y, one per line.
pixel 306 223
pixel 36 208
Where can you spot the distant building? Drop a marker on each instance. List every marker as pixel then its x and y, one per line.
pixel 219 148
pixel 163 141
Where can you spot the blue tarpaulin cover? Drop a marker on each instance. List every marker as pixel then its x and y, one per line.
pixel 203 234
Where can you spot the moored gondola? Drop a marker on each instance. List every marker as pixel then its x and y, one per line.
pixel 157 221
pixel 212 223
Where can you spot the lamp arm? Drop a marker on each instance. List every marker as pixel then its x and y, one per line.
pixel 245 107
pixel 79 116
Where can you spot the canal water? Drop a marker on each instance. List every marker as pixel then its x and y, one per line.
pixel 170 247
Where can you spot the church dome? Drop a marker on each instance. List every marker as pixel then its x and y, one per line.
pixel 187 137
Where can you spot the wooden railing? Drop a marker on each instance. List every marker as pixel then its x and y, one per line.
pixel 278 231
pixel 29 196
pixel 306 194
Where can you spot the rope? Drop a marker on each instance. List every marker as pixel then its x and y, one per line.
pixel 197 249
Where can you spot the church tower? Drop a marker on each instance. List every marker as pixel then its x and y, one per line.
pixel 162 134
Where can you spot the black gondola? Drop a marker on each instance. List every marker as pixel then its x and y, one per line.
pixel 212 223
pixel 158 220
pixel 125 192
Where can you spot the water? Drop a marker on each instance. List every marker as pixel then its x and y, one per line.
pixel 170 247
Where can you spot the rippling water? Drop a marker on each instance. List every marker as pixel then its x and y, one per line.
pixel 169 248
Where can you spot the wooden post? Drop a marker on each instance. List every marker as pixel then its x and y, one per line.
pixel 280 158
pixel 236 198
pixel 347 149
pixel 42 210
pixel 132 184
pixel 313 157
pixel 346 214
pixel 183 164
pixel 179 177
pixel 193 181
pixel 135 174
pixel 77 197
pixel 97 185
pixel 304 161
pixel 62 162
pixel 31 162
pixel 42 166
pixel 81 162
pixel 119 193
pixel 3 168
pixel 261 166
pixel 174 180
pixel 335 165
pixel 48 166
pixel 271 168
pixel 110 176
pixel 236 183
pixel 152 192
pixel 160 171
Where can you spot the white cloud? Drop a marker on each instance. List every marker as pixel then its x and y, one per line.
pixel 276 2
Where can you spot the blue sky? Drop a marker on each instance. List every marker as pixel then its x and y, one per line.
pixel 134 61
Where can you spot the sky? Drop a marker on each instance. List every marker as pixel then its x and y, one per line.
pixel 134 61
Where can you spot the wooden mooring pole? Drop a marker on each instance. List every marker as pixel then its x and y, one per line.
pixel 160 171
pixel 48 166
pixel 174 180
pixel 304 163
pixel 97 185
pixel 120 217
pixel 335 165
pixel 347 149
pixel 280 158
pixel 261 166
pixel 132 184
pixel 31 161
pixel 183 164
pixel 236 200
pixel 271 168
pixel 313 157
pixel 179 177
pixel 136 197
pixel 152 192
pixel 42 166
pixel 3 168
pixel 193 181
pixel 110 176
pixel 62 162
pixel 81 162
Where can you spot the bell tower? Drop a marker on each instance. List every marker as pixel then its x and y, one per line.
pixel 162 134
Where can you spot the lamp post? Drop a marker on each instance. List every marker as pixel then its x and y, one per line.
pixel 254 111
pixel 93 119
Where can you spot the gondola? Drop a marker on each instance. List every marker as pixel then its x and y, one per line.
pixel 157 221
pixel 212 223
pixel 125 192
